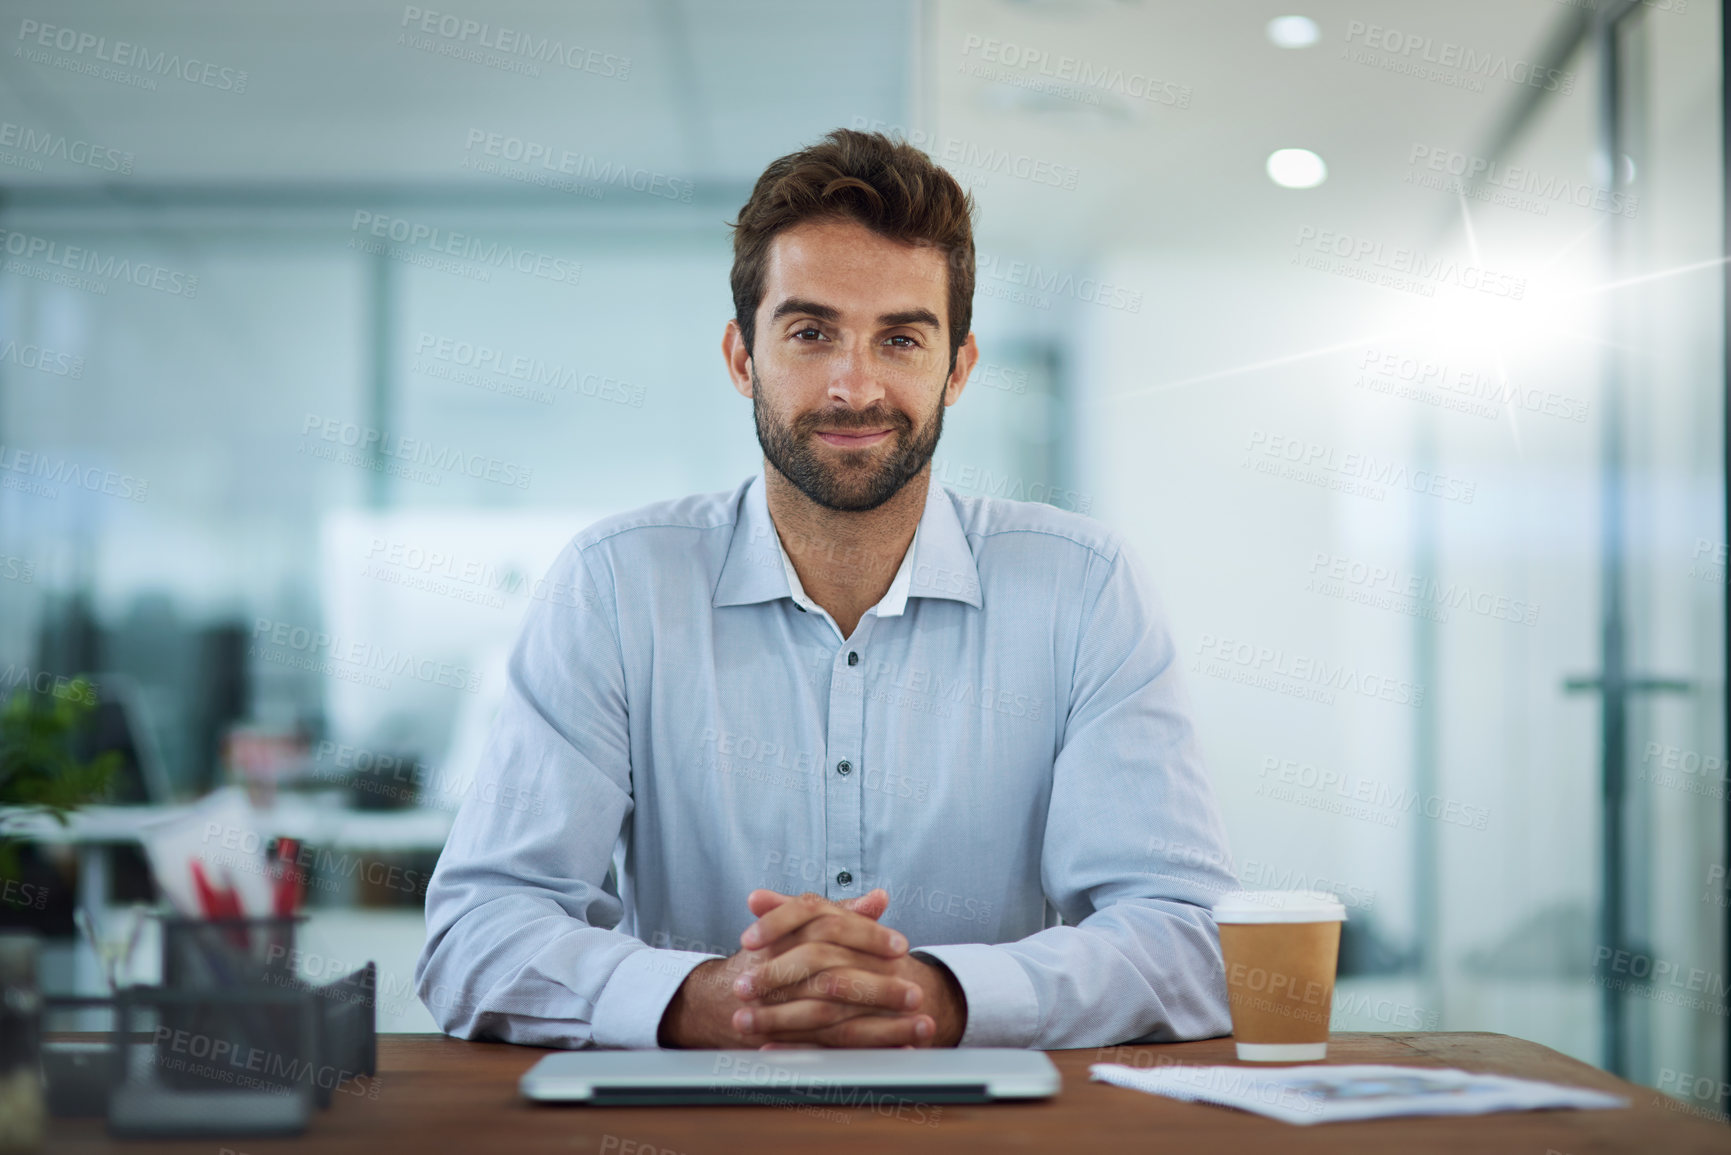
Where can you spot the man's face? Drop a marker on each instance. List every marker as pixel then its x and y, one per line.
pixel 850 370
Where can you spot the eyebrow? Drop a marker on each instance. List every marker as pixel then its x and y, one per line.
pixel 794 305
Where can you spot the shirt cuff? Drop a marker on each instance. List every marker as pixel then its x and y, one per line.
pixel 628 1013
pixel 1003 1010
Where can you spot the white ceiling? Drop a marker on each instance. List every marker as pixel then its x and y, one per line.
pixel 717 89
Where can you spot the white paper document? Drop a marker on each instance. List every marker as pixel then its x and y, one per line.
pixel 1332 1094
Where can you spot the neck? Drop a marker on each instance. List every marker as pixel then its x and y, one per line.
pixel 846 560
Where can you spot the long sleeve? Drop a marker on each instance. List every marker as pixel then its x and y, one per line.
pixel 1134 855
pixel 521 906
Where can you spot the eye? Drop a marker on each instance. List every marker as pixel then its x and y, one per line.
pixel 912 343
pixel 807 332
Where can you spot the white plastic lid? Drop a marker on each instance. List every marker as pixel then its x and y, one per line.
pixel 1279 906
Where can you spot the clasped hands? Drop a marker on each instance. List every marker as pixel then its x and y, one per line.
pixel 816 973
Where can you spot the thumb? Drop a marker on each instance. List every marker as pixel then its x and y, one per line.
pixel 871 905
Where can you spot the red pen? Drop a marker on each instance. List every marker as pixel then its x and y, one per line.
pixel 285 894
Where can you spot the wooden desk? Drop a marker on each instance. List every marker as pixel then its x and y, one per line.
pixel 436 1094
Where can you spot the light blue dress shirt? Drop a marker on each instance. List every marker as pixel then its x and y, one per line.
pixel 1003 744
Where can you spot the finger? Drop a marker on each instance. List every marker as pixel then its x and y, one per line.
pixel 870 905
pixel 867 1030
pixel 851 985
pixel 796 965
pixel 769 1024
pixel 804 961
pixel 843 928
pixel 796 912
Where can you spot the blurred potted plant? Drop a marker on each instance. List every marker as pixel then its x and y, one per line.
pixel 39 772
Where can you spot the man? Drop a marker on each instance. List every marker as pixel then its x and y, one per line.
pixel 950 721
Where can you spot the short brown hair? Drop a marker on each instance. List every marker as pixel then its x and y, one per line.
pixel 887 185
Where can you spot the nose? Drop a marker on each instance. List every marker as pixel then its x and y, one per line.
pixel 853 381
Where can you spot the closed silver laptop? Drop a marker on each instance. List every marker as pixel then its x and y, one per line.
pixel 832 1078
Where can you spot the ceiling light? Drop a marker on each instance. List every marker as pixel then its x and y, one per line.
pixel 1293 31
pixel 1296 168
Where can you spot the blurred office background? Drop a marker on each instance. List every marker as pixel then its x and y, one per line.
pixel 323 326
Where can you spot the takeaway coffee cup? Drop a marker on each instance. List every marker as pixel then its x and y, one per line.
pixel 1281 947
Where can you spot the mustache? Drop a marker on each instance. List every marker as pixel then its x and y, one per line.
pixel 841 420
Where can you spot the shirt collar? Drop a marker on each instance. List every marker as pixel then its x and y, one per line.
pixel 938 563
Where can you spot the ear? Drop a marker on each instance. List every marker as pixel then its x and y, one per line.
pixel 966 358
pixel 738 358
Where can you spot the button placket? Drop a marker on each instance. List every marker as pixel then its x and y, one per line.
pixel 842 789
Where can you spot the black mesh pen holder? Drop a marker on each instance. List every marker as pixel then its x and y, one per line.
pixel 182 1059
pixel 201 953
pixel 259 954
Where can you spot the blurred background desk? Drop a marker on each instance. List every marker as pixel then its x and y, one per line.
pixel 369 871
pixel 438 1093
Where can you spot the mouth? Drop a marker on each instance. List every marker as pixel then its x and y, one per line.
pixel 851 440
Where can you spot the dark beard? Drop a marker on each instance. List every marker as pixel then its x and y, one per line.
pixel 789 449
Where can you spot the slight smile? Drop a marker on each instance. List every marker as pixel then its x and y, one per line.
pixel 854 440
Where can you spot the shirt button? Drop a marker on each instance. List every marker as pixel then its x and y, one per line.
pixel 844 767
pixel 852 658
pixel 844 878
